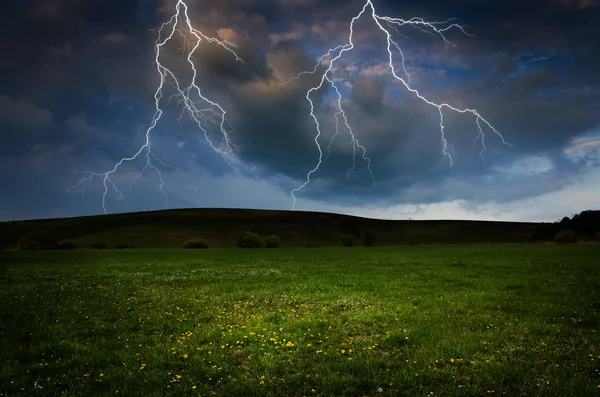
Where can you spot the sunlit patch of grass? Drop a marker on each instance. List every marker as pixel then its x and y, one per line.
pixel 416 321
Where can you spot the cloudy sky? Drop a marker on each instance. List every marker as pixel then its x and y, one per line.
pixel 80 78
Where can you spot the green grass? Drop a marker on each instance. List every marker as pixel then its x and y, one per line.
pixel 510 320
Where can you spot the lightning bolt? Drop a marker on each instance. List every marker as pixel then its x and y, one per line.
pixel 209 117
pixel 391 24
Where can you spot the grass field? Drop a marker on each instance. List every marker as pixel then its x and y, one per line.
pixel 509 320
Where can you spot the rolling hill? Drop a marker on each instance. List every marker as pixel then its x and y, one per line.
pixel 221 227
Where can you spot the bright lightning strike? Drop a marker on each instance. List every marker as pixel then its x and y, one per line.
pixel 211 116
pixel 391 24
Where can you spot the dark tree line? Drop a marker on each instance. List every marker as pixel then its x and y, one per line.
pixel 585 224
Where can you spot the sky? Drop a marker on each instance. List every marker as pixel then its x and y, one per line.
pixel 80 78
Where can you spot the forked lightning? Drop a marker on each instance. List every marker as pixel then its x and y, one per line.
pixel 386 25
pixel 211 116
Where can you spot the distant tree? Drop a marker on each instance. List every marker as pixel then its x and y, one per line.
pixel 585 225
pixel 566 236
pixel 250 240
pixel 369 237
pixel 196 243
pixel 348 240
pixel 564 221
pixel 36 241
pixel 272 241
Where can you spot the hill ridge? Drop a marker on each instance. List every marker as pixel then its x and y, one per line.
pixel 222 226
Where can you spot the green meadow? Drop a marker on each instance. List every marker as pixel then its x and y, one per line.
pixel 463 320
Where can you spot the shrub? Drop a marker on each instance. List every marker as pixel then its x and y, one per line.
pixel 250 240
pixel 36 241
pixel 196 243
pixel 348 240
pixel 124 247
pixel 369 236
pixel 98 246
pixel 566 236
pixel 272 241
pixel 65 245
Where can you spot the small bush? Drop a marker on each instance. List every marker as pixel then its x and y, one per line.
pixel 196 243
pixel 566 236
pixel 272 241
pixel 36 241
pixel 348 240
pixel 125 247
pixel 65 245
pixel 250 240
pixel 98 246
pixel 369 237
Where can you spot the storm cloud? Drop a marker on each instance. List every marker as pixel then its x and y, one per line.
pixel 80 95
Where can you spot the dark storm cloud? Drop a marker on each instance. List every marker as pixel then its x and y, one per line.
pixel 534 105
pixel 82 82
pixel 367 94
pixel 23 114
pixel 39 33
pixel 276 130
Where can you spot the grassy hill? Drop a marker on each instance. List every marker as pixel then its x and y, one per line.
pixel 221 227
